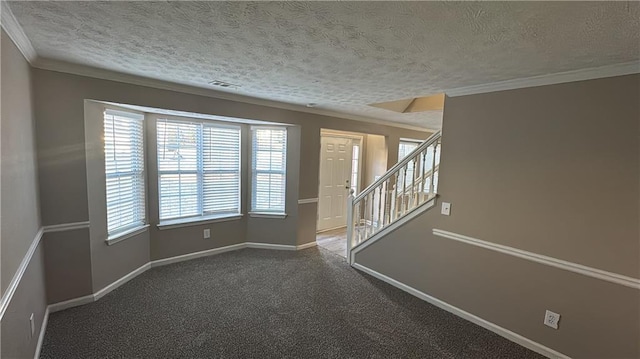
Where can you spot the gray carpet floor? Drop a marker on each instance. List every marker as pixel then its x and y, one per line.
pixel 266 304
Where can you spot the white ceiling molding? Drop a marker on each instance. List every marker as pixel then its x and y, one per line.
pixel 76 69
pixel 622 69
pixel 14 30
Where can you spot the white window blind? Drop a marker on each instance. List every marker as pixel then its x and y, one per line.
pixel 124 169
pixel 198 169
pixel 268 169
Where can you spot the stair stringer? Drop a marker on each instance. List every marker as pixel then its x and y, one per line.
pixel 392 227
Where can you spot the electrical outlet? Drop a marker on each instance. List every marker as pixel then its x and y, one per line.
pixel 551 319
pixel 446 208
pixel 207 233
pixel 32 325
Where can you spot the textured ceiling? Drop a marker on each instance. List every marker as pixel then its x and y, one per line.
pixel 339 55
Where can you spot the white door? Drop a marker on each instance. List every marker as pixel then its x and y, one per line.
pixel 335 173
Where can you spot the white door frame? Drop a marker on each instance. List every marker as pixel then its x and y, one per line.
pixel 357 139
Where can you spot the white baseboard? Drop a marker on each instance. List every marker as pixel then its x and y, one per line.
pixel 104 291
pixel 75 302
pixel 281 247
pixel 306 245
pixel 56 307
pixel 186 257
pixel 514 337
pixel 43 329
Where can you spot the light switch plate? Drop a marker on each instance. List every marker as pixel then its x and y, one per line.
pixel 446 208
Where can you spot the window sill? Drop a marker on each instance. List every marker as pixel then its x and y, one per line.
pixel 267 215
pixel 186 222
pixel 126 235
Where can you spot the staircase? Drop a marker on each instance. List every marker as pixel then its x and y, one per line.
pixel 403 192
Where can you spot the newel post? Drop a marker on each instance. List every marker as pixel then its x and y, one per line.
pixel 350 225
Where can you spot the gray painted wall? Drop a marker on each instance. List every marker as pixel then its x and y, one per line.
pixel 20 211
pixel 68 265
pixel 72 175
pixel 29 297
pixel 553 170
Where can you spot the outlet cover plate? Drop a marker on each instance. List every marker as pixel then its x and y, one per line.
pixel 551 319
pixel 207 233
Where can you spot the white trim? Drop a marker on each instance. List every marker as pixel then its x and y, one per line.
pixel 307 200
pixel 503 332
pixel 626 68
pixel 542 259
pixel 106 290
pixel 11 25
pixel 75 302
pixel 189 256
pixel 267 215
pixel 328 132
pixel 332 228
pixel 65 226
pixel 87 71
pixel 126 235
pixel 392 227
pixel 281 247
pixel 43 329
pixel 306 245
pixel 196 221
pixel 17 277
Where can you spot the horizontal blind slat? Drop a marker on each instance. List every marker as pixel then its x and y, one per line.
pixel 199 168
pixel 124 167
pixel 268 163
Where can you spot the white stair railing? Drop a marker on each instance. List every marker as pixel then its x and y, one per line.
pixel 412 182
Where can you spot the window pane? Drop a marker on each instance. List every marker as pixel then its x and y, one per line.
pixel 179 195
pixel 198 168
pixel 268 169
pixel 177 146
pixel 124 169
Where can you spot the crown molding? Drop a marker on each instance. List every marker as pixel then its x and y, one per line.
pixel 11 25
pixel 621 69
pixel 82 70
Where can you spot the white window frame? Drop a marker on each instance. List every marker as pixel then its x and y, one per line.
pixel 138 226
pixel 202 218
pixel 266 212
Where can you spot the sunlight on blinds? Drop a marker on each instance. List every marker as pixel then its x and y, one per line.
pixel 124 169
pixel 268 168
pixel 198 169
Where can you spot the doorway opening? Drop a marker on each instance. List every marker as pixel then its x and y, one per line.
pixel 347 160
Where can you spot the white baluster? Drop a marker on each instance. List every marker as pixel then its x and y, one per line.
pixel 351 228
pixel 379 224
pixel 413 201
pixel 433 169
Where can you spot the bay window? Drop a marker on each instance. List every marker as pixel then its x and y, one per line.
pixel 124 170
pixel 198 170
pixel 268 169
